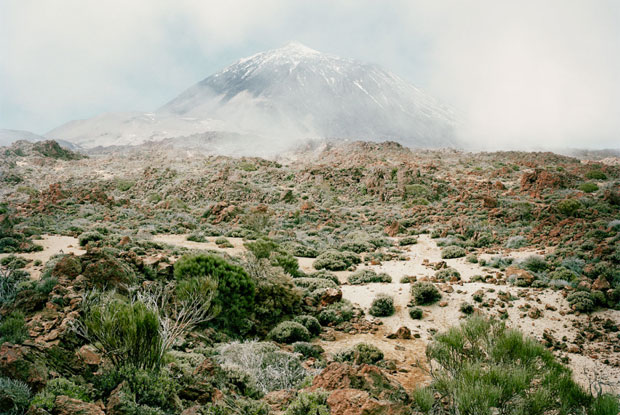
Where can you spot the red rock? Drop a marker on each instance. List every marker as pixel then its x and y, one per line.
pixel 600 284
pixel 89 356
pixel 521 276
pixel 330 296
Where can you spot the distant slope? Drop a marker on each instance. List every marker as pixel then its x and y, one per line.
pixel 283 95
pixel 8 137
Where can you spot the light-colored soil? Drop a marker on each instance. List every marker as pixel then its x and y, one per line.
pixel 587 367
pixel 52 245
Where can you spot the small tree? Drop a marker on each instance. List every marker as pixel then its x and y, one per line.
pixel 235 288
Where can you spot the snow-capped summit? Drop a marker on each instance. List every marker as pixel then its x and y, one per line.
pixel 287 94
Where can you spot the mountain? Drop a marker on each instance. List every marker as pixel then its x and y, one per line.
pixel 284 95
pixel 8 137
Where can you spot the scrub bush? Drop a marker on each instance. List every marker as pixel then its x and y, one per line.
pixel 424 293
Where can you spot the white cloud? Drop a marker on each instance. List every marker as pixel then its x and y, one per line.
pixel 527 73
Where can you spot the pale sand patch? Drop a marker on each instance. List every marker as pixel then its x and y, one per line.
pixel 437 318
pixel 585 368
pixel 52 245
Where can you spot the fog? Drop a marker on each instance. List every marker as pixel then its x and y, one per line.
pixel 525 74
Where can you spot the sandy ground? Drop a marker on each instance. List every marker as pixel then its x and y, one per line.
pixel 409 353
pixel 52 245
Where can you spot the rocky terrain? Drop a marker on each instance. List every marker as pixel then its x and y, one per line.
pixel 332 279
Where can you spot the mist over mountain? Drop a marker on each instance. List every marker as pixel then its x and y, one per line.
pixel 279 98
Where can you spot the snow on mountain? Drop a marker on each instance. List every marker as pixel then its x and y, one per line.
pixel 284 95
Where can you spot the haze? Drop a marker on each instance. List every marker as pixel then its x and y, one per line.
pixel 520 74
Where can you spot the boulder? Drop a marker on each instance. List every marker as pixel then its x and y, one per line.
pixel 600 284
pixel 357 402
pixel 402 333
pixel 330 296
pixel 519 277
pixel 279 400
pixel 367 378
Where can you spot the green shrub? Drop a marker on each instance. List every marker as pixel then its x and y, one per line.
pixel 453 251
pixel 223 242
pixel 415 313
pixel 127 333
pixel 235 288
pixel 124 184
pixel 408 240
pixel 581 301
pixel 151 388
pixel 568 207
pixel 145 391
pixel 309 403
pixel 336 313
pixel 10 279
pixel 466 308
pixel 289 332
pixel 588 187
pixel 336 261
pixel 472 258
pixel 325 275
pixel 14 397
pixel 314 287
pixel 605 404
pixel 562 273
pixel 484 367
pixel 367 276
pixel 276 296
pixel 499 262
pixel 268 367
pixel 308 349
pixel 596 175
pixel 448 274
pixel 309 322
pixel 105 271
pixel 366 353
pixel 87 237
pixel 382 306
pixel 424 399
pixel 13 262
pixel 13 328
pixel 414 191
pixel 357 246
pixel 262 248
pixel 57 387
pixel 534 263
pixel 424 293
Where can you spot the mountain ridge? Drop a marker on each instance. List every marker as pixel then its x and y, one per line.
pixel 285 95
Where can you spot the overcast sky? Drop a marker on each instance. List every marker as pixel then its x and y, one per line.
pixel 520 73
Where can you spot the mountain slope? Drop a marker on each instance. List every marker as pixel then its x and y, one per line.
pixel 8 137
pixel 283 95
pixel 298 89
